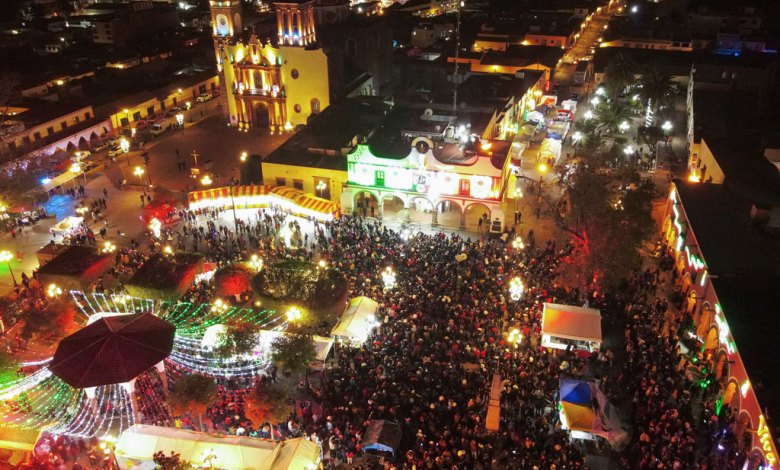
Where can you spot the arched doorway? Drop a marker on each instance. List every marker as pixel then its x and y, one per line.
pixel 742 427
pixel 449 213
pixel 731 397
pixel 721 367
pixel 93 139
pixel 71 147
pixel 393 208
pixel 366 205
pixel 755 460
pixel 262 118
pixel 475 212
pixel 710 342
pixel 420 211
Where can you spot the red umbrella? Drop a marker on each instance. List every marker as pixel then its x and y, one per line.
pixel 112 350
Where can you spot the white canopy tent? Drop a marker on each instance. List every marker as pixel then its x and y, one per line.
pixel 566 324
pixel 357 320
pixel 137 445
pixel 66 225
pixel 322 345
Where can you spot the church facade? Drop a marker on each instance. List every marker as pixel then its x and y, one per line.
pixel 267 86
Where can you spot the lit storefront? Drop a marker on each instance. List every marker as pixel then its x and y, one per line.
pixel 708 298
pixel 423 183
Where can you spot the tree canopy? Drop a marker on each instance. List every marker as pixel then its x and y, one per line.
pixel 656 85
pixel 268 402
pixel 293 352
pixel 192 394
pixel 619 73
pixel 237 339
pixel 610 115
pixel 609 217
pixel 172 461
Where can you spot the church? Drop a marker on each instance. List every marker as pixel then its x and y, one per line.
pixel 267 86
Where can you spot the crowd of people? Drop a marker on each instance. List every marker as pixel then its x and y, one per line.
pixel 442 335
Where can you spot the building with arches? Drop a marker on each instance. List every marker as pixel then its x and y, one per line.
pixel 728 273
pixel 274 83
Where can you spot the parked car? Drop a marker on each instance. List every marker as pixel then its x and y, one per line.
pixel 160 127
pixel 114 151
pixel 142 124
pixel 100 146
pixel 80 155
pixel 203 97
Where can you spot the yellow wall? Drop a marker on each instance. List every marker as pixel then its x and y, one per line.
pixel 707 158
pixel 312 81
pixel 308 176
pixel 82 115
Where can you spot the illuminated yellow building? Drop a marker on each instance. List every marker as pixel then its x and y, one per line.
pixel 265 85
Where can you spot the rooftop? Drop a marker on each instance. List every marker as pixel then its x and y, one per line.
pixel 40 111
pixel 680 62
pixel 322 143
pixel 732 244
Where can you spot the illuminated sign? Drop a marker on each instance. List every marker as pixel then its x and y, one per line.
pixel 723 332
pixel 766 441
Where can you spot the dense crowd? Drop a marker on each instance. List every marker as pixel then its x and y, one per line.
pixel 441 337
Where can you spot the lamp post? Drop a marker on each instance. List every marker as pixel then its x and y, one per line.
pixel 139 172
pixel 321 186
pixel 124 144
pixel 516 289
pixel 388 278
pixel 6 257
pixel 542 170
pixel 231 184
pixel 206 180
pixel 576 138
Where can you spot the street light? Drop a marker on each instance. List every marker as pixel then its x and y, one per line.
pixel 220 306
pixel 514 337
pixel 243 156
pixel 600 91
pixel 543 168
pixel 623 126
pixel 667 126
pixel 53 291
pixel 124 144
pixel 588 114
pixel 388 278
pixel 628 150
pixel 206 180
pixel 138 171
pixel 294 314
pixel 516 289
pixel 155 226
pixel 6 257
pixel 321 186
pixel 517 243
pixel 256 263
pixel 168 250
pixel 108 247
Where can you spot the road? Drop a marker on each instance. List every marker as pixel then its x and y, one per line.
pixel 207 135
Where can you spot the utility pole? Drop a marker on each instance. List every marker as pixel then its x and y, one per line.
pixel 457 57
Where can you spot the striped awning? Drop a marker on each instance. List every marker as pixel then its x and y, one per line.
pixel 318 205
pixel 217 193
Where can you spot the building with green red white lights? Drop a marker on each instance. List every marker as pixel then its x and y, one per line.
pixel 727 258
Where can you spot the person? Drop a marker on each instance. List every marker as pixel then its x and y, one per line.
pixel 142 200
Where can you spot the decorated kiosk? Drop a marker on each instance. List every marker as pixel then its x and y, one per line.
pixel 567 325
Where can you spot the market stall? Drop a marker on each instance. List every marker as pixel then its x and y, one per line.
pixel 382 437
pixel 259 196
pixel 137 445
pixel 357 321
pixel 586 413
pixel 549 151
pixel 67 226
pixel 567 325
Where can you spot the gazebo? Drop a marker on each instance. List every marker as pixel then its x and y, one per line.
pixel 568 325
pixel 112 350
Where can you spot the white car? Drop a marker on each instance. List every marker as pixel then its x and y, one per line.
pixel 115 150
pixel 203 97
pixel 80 155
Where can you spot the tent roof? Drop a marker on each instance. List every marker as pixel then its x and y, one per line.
pixel 18 438
pixel 139 443
pixel 113 349
pixel 382 434
pixel 568 321
pixel 356 320
pixel 579 417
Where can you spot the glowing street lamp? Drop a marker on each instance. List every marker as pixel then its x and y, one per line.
pixel 623 126
pixel 81 210
pixel 517 243
pixel 220 306
pixel 180 119
pixel 628 150
pixel 322 264
pixel 514 337
pixel 168 250
pixel 206 180
pixel 294 314
pixel 388 278
pixel 6 257
pixel 108 247
pixel 667 126
pixel 53 291
pixel 516 289
pixel 600 91
pixel 243 156
pixel 595 101
pixel 576 137
pixel 321 186
pixel 588 115
pixel 256 263
pixel 155 226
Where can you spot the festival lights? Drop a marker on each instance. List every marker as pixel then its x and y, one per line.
pixel 294 314
pixel 516 289
pixel 388 278
pixel 53 291
pixel 155 226
pixel 256 263
pixel 108 247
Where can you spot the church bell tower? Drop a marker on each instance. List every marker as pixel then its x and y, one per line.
pixel 295 22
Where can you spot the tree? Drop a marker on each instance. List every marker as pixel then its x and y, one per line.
pixel 54 321
pixel 610 115
pixel 294 352
pixel 608 219
pixel 656 86
pixel 268 402
pixel 170 462
pixel 236 339
pixel 192 394
pixel 8 366
pixel 619 73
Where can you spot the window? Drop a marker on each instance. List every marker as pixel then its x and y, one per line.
pixel 137 116
pixel 37 136
pixel 297 108
pixel 64 124
pixel 298 184
pixel 150 111
pixel 174 101
pixel 49 130
pixel 26 140
pixel 379 178
pixel 162 105
pixel 294 73
pixel 464 188
pixel 315 106
pixel 76 119
pixel 87 115
pixel 281 181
